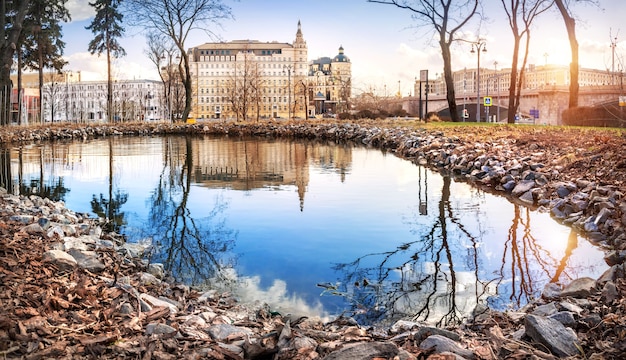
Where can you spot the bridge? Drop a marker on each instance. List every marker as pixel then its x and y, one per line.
pixel 548 102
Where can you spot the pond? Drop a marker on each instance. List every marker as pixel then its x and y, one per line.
pixel 310 228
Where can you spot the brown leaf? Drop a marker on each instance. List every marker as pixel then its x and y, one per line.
pixel 99 339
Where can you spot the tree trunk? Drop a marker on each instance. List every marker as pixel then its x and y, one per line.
pixel 447 71
pixel 570 25
pixel 8 45
pixel 187 82
pixel 513 84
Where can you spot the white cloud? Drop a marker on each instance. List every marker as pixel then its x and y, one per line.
pixel 93 67
pixel 278 298
pixel 80 10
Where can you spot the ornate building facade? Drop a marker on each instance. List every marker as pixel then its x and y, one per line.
pixel 245 78
pixel 250 79
pixel 331 83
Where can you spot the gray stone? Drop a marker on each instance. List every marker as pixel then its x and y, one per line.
pixel 24 219
pixel 571 307
pixel 609 292
pixel 564 317
pixel 159 329
pixel 87 260
pixel 126 308
pixel 157 270
pixel 545 310
pixel 523 187
pixel 364 350
pixel 591 320
pixel 443 344
pixel 402 326
pixel 551 291
pixel 61 259
pixel 134 250
pixel 221 332
pixel 579 288
pixel 152 301
pixel 559 339
pixel 44 223
pixel 562 191
pixel 74 243
pixel 527 198
pixel 148 279
pixel 33 229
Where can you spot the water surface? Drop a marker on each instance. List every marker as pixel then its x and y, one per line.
pixel 315 228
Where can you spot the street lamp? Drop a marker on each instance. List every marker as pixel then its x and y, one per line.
pixel 288 69
pixel 497 86
pixel 478 46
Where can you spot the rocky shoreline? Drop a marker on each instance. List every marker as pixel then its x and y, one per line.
pixel 71 291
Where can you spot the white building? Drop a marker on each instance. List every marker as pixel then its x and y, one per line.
pixel 86 101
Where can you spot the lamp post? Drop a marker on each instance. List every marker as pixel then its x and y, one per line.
pixel 478 46
pixel 497 86
pixel 288 69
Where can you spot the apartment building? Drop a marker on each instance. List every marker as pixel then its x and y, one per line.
pixel 244 79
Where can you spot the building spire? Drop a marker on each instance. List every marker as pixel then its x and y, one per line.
pixel 299 37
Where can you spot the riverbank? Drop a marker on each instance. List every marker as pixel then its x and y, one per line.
pixel 102 300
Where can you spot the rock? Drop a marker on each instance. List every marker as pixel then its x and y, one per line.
pixel 527 198
pixel 402 326
pixel 221 332
pixel 157 270
pixel 579 288
pixel 148 279
pixel 153 301
pixel 63 260
pixel 560 340
pixel 443 344
pixel 33 229
pixel 551 291
pixel 158 329
pixel 564 317
pixel 364 350
pixel 523 187
pixel 545 310
pixel 88 260
pixel 609 292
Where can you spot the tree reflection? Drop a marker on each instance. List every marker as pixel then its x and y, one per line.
pixel 110 207
pixel 418 279
pixel 191 249
pixel 440 277
pixel 526 264
pixel 52 188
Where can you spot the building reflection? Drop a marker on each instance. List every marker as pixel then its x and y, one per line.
pixel 251 164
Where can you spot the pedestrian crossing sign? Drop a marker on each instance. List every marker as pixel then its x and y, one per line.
pixel 487 100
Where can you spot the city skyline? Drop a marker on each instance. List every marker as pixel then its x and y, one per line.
pixel 385 51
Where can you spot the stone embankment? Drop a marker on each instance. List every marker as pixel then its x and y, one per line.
pixel 68 290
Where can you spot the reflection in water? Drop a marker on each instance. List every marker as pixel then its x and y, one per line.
pixel 110 208
pixel 275 218
pixel 417 279
pixel 192 249
pixel 433 280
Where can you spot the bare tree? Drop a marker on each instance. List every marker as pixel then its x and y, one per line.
pixel 175 19
pixel 521 14
pixel 570 25
pixel 52 95
pixel 446 17
pixel 161 51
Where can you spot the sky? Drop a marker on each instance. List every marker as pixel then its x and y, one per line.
pixel 385 47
